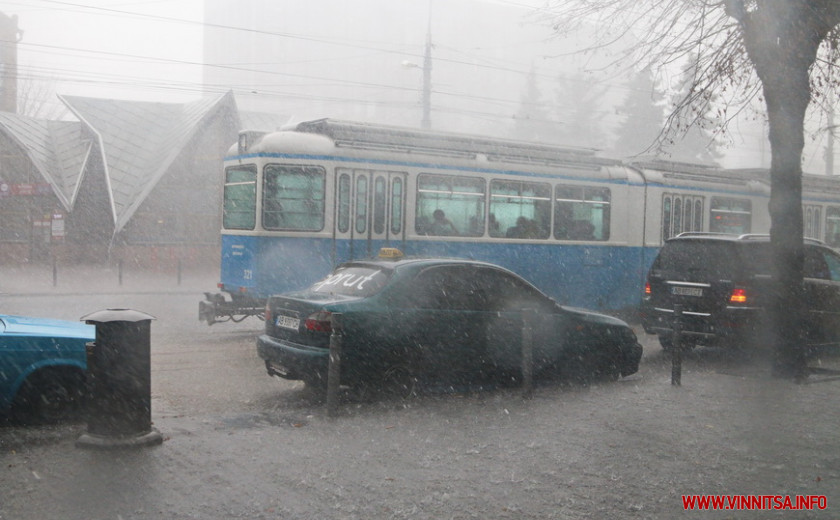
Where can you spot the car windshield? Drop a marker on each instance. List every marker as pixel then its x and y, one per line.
pixel 359 281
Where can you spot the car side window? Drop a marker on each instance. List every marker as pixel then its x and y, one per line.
pixel 448 288
pixel 815 265
pixel 506 293
pixel 833 262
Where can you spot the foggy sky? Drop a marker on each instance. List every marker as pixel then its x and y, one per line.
pixel 319 58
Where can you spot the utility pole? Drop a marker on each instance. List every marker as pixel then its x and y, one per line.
pixel 427 75
pixel 829 148
pixel 10 35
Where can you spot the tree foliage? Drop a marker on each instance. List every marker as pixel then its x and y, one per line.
pixel 579 110
pixel 533 120
pixel 697 141
pixel 643 112
pixel 669 34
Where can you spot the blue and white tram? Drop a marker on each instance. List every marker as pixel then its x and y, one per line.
pixel 582 228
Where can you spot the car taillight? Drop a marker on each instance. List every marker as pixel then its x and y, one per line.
pixel 318 322
pixel 738 296
pixel 647 288
pixel 267 313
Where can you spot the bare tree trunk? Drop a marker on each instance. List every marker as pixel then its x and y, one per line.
pixel 786 104
pixel 782 39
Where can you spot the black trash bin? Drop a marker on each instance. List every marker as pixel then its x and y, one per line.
pixel 119 381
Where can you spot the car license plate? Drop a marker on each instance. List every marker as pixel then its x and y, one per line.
pixel 687 291
pixel 287 322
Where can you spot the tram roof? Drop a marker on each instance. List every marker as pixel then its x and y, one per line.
pixel 388 138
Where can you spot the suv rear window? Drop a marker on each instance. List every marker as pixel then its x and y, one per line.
pixel 356 280
pixel 713 258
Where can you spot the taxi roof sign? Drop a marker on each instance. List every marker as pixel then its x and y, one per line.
pixel 390 252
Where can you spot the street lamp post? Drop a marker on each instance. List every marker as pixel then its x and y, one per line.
pixel 426 122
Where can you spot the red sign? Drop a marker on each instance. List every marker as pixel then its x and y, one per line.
pixel 24 189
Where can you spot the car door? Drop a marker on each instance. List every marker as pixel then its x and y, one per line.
pixel 508 298
pixel 822 293
pixel 447 314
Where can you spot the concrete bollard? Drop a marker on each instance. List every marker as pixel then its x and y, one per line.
pixel 119 381
pixel 334 368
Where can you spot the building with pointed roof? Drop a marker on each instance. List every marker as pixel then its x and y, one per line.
pixel 129 181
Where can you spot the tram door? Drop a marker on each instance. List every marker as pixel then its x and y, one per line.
pixel 370 210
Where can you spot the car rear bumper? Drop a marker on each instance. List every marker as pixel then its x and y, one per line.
pixel 292 360
pixel 705 327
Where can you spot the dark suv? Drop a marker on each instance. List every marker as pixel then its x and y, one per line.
pixel 722 282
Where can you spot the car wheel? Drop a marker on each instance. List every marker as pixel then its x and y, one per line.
pixel 50 397
pixel 398 381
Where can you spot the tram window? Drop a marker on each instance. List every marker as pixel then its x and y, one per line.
pixel 813 220
pixel 520 209
pixel 698 215
pixel 461 202
pixel 240 198
pixel 681 213
pixel 832 226
pixel 666 217
pixel 361 203
pixel 293 197
pixel 343 215
pixel 678 215
pixel 581 213
pixel 730 215
pixel 379 205
pixel 396 205
pixel 688 216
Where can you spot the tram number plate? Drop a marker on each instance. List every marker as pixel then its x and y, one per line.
pixel 287 322
pixel 687 291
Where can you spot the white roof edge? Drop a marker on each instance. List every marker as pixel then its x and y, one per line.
pixel 81 175
pixel 101 152
pixel 123 219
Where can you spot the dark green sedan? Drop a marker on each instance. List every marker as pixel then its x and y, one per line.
pixel 437 321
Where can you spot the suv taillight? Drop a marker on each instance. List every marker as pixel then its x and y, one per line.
pixel 318 322
pixel 738 296
pixel 647 288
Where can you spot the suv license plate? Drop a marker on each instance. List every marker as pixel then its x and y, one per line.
pixel 287 322
pixel 687 291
